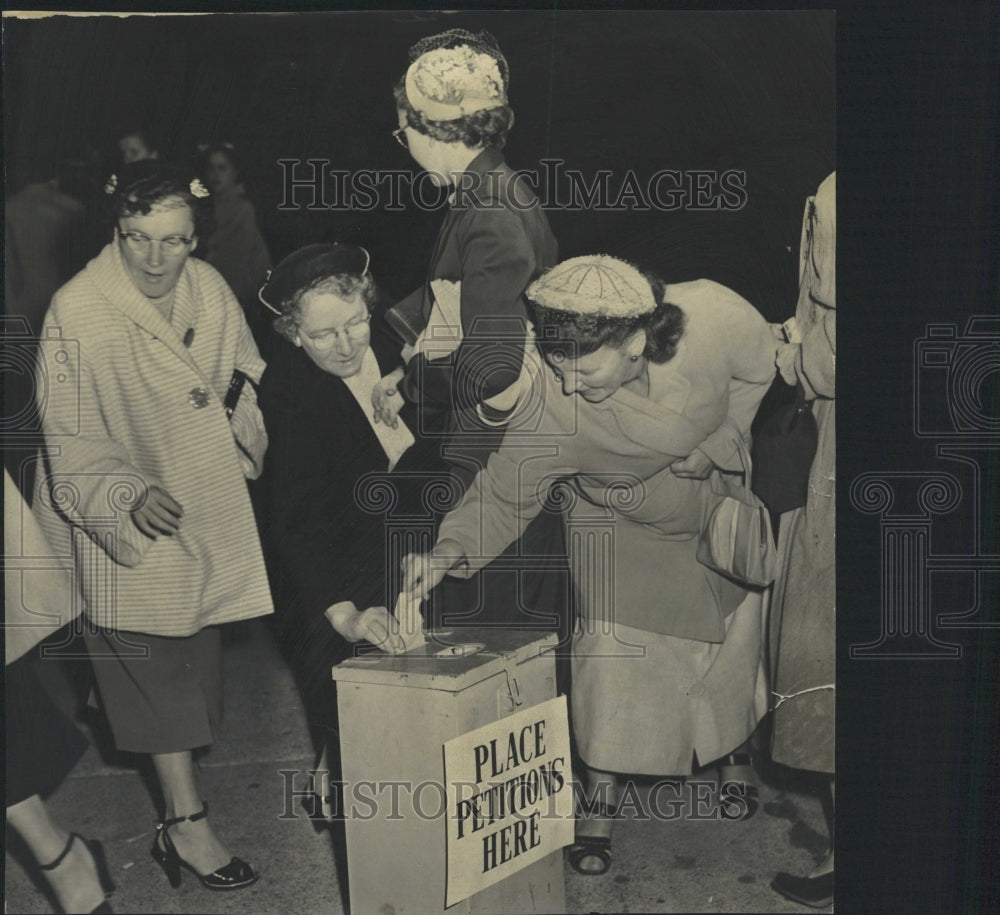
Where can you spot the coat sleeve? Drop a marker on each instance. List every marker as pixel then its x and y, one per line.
pixel 750 349
pixel 329 547
pixel 247 422
pixel 497 263
pixel 91 478
pixel 815 364
pixel 512 488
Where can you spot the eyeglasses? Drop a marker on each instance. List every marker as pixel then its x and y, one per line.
pixel 171 246
pixel 353 330
pixel 399 135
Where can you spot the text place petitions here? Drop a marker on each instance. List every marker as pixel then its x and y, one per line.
pixel 510 797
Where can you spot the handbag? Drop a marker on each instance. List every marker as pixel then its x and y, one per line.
pixel 785 438
pixel 735 538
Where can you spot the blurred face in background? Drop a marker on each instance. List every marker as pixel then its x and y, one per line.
pixel 133 148
pixel 220 173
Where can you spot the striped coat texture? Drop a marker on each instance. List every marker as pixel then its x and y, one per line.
pixel 129 400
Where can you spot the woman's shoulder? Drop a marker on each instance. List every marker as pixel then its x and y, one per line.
pixel 293 384
pixel 79 299
pixel 706 301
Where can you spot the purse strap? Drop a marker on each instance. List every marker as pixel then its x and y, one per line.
pixel 233 394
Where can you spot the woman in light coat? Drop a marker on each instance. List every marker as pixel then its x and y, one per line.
pixel 144 484
pixel 666 654
pixel 803 625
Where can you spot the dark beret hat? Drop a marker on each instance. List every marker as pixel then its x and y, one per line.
pixel 302 268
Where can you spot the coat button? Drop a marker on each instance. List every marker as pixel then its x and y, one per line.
pixel 697 689
pixel 198 398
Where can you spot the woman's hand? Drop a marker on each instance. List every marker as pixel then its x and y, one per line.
pixel 787 360
pixel 158 514
pixel 376 625
pixel 386 399
pixel 423 571
pixel 696 466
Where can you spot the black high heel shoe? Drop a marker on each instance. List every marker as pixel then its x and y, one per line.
pixel 744 795
pixel 234 876
pixel 100 862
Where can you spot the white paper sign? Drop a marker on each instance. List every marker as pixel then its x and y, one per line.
pixel 510 797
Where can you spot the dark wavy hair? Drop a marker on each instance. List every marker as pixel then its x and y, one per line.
pixel 486 128
pixel 137 187
pixel 570 335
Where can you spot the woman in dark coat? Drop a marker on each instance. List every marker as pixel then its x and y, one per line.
pixel 327 468
pixel 468 324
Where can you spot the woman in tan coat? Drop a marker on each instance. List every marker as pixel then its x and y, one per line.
pixel 803 610
pixel 144 484
pixel 666 654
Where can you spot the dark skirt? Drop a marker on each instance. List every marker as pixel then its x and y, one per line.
pixel 43 745
pixel 160 694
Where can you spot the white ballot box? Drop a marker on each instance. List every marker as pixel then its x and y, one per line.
pixel 457 781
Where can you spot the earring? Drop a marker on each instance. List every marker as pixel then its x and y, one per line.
pixel 633 358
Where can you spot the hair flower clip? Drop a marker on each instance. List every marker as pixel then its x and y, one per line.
pixel 112 183
pixel 198 189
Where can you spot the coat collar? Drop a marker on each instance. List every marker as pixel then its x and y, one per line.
pixel 483 189
pixel 658 421
pixel 108 274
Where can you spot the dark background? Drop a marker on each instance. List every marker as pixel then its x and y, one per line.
pixel 917 96
pixel 617 90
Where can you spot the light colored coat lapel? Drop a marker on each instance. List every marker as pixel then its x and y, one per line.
pixel 107 272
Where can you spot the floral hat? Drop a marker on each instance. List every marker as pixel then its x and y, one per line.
pixel 455 74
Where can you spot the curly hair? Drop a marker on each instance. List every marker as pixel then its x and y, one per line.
pixel 342 285
pixel 571 335
pixel 137 187
pixel 486 128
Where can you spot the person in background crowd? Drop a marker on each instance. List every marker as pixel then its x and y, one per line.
pixel 235 246
pixel 135 143
pixel 47 239
pixel 153 432
pixel 43 244
pixel 803 609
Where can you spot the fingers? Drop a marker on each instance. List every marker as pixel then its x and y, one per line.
pixel 140 521
pixel 381 628
pixel 163 511
pixel 387 402
pixel 160 514
pixel 416 569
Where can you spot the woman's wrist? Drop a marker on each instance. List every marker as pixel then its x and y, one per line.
pixel 342 616
pixel 449 552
